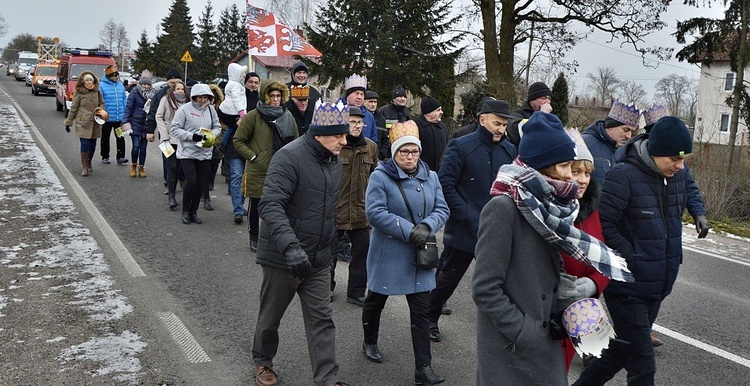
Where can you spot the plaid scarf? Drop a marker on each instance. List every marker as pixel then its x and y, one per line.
pixel 550 207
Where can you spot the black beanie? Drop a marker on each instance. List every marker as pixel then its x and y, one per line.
pixel 173 74
pixel 398 92
pixel 544 142
pixel 538 90
pixel 429 104
pixel 669 137
pixel 611 122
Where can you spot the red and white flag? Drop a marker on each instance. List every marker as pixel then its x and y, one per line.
pixel 268 36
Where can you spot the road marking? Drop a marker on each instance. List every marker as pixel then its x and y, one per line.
pixel 184 339
pixel 703 346
pixel 114 242
pixel 707 253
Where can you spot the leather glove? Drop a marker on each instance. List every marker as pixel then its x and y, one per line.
pixel 67 128
pixel 298 263
pixel 586 287
pixel 567 288
pixel 419 234
pixel 701 226
pixel 198 137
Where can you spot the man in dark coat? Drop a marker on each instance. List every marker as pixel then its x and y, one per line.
pixel 643 199
pixel 297 241
pixel 604 136
pixel 252 90
pixel 384 142
pixel 432 133
pixel 466 174
pixel 298 105
pixel 538 99
pixel 300 75
pixel 396 111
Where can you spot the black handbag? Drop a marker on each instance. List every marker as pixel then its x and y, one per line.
pixel 425 256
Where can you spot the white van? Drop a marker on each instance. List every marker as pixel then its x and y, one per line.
pixel 26 59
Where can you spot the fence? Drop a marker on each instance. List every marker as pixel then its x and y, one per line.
pixel 726 195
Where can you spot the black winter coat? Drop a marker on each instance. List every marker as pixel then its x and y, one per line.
pixel 298 204
pixel 434 139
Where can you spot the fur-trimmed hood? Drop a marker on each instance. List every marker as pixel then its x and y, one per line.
pixel 267 85
pixel 79 84
pixel 218 94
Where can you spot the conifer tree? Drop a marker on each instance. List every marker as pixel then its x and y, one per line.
pixel 176 38
pixel 231 36
pixel 144 54
pixel 560 99
pixel 206 54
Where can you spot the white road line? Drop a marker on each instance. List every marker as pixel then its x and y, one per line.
pixel 703 346
pixel 114 242
pixel 184 339
pixel 707 253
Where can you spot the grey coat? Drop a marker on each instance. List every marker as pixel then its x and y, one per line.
pixel 515 291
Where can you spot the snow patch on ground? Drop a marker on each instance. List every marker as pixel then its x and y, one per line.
pixel 116 353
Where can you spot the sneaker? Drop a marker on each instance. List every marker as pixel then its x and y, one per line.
pixel 106 161
pixel 121 161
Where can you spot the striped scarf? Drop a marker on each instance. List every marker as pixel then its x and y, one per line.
pixel 550 207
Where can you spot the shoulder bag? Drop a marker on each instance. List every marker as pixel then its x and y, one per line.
pixel 426 256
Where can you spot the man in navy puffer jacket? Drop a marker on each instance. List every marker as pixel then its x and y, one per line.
pixel 643 199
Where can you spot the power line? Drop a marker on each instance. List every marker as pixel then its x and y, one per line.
pixel 639 56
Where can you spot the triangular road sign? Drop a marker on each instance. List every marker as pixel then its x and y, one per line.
pixel 186 57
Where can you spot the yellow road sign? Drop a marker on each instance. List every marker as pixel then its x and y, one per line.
pixel 186 57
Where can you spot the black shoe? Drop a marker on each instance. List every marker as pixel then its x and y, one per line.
pixel 194 218
pixel 172 201
pixel 238 219
pixel 185 218
pixel 358 301
pixel 372 352
pixel 121 161
pixel 435 332
pixel 446 310
pixel 253 244
pixel 426 376
pixel 244 214
pixel 211 187
pixel 182 184
pixel 105 161
pixel 207 204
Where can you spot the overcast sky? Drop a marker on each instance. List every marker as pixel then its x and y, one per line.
pixel 85 18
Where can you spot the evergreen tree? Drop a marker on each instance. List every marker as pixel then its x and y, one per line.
pixel 560 99
pixel 176 38
pixel 206 54
pixel 232 36
pixel 470 101
pixel 406 45
pixel 144 54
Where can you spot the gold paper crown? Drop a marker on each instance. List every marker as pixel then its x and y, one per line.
pixel 300 92
pixel 327 114
pixel 356 81
pixel 654 113
pixel 627 114
pixel 403 129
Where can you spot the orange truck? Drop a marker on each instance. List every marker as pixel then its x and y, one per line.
pixel 71 64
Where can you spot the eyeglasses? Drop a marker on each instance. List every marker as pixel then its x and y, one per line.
pixel 406 153
pixel 356 123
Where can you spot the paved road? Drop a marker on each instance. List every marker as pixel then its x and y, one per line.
pixel 100 283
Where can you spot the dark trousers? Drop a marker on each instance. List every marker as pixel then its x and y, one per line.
pixel 455 264
pixel 276 292
pixel 253 217
pixel 632 318
pixel 107 128
pixel 211 177
pixel 196 176
pixel 420 324
pixel 170 171
pixel 357 283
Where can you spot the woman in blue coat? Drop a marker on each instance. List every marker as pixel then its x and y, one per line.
pixel 134 121
pixel 390 260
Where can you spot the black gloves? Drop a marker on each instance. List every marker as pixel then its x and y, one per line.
pixel 298 263
pixel 701 226
pixel 67 128
pixel 198 137
pixel 419 234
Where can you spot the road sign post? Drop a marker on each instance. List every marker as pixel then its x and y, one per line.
pixel 187 59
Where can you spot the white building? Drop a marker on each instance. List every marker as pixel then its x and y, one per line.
pixel 712 112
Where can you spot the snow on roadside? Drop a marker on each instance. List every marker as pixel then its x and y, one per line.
pixel 50 259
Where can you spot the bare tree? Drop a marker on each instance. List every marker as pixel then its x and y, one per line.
pixel 672 91
pixel 108 35
pixel 603 83
pixel 632 92
pixel 114 37
pixel 295 13
pixel 3 26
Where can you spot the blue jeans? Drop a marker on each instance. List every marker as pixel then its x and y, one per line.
pixel 236 171
pixel 138 153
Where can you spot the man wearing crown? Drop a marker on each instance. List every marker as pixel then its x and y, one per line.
pixel 297 243
pixel 604 136
pixel 355 96
pixel 298 105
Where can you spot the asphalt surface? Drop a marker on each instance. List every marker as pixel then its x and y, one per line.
pixel 100 283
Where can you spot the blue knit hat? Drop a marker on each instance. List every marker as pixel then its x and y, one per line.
pixel 669 137
pixel 544 142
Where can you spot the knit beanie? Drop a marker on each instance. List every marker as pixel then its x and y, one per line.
pixel 545 142
pixel 398 92
pixel 538 90
pixel 669 137
pixel 173 74
pixel 429 104
pixel 144 80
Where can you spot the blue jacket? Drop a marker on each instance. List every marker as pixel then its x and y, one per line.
pixel 134 113
pixel 602 148
pixel 114 98
pixel 390 259
pixel 369 130
pixel 641 214
pixel 469 167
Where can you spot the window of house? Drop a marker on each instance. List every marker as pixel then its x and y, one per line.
pixel 724 126
pixel 729 79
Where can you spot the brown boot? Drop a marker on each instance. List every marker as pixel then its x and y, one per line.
pixel 264 376
pixel 84 164
pixel 132 170
pixel 88 163
pixel 141 172
pixel 655 341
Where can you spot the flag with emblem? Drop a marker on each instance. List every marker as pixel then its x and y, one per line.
pixel 269 36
